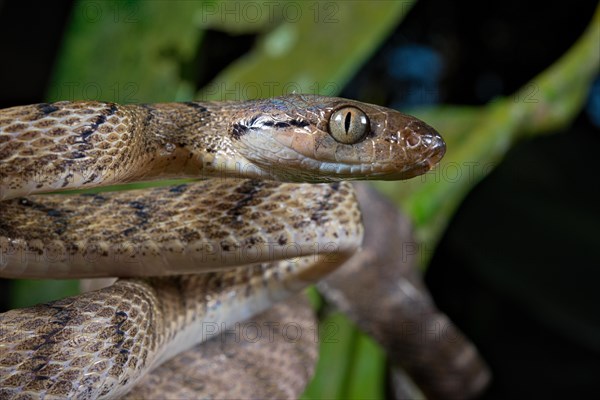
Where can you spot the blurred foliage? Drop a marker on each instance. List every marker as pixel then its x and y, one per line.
pixel 127 51
pixel 351 365
pixel 318 52
pixel 139 51
pixel 478 137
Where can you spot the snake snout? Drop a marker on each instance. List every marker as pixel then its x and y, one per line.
pixel 422 149
pixel 436 147
pixel 424 142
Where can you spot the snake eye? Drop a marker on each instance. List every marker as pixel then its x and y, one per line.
pixel 348 125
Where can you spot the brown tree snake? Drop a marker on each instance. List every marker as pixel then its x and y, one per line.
pixel 269 213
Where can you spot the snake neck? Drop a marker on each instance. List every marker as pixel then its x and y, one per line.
pixel 66 145
pixel 191 140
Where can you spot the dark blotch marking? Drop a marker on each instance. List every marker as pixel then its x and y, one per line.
pixel 96 198
pixel 91 178
pixel 39 366
pixel 58 217
pixel 141 211
pixel 121 318
pixel 46 108
pixel 196 106
pixel 143 215
pixel 238 130
pixel 318 215
pixel 92 128
pixel 100 119
pixel 301 224
pixel 67 180
pixel 178 188
pixel 149 116
pixel 55 213
pixel 249 189
pixel 138 205
pixel 128 231
pixel 77 154
pixel 60 318
pixel 112 109
pixel 253 120
pixel 285 124
pixel 298 123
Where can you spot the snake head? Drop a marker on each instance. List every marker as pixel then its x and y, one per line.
pixel 322 139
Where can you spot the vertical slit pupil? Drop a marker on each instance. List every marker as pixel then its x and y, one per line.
pixel 347 121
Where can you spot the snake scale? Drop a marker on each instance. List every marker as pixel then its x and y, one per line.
pixel 271 199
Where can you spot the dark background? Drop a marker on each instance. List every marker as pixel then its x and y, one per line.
pixel 518 268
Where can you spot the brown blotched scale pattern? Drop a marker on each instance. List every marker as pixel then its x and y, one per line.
pixel 101 342
pixel 271 356
pixel 189 228
pixel 284 235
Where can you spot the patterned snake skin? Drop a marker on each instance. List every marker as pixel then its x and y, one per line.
pixel 285 235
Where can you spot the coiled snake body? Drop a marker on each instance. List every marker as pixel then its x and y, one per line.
pixel 254 211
